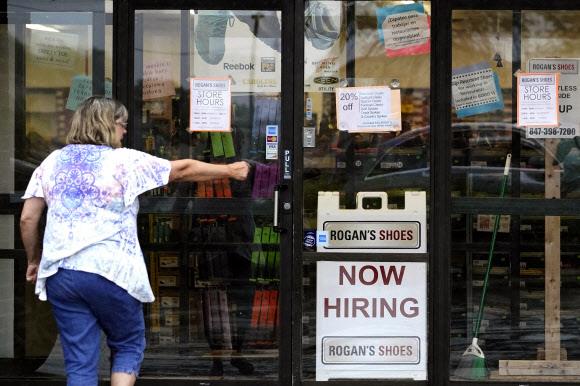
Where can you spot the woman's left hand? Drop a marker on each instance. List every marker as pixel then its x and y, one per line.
pixel 31 272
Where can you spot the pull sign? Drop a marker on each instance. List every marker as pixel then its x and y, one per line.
pixel 287 164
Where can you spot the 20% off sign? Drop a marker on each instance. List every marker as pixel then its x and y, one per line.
pixel 368 109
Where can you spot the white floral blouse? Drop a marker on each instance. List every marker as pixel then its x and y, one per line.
pixel 91 224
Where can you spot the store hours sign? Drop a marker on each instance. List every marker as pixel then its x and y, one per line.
pixel 210 104
pixel 371 320
pixel 568 89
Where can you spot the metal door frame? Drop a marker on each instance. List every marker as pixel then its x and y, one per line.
pixel 123 65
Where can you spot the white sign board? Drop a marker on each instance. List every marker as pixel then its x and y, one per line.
pixel 368 109
pixel 405 30
pixel 537 99
pixel 210 104
pixel 371 320
pixel 568 89
pixel 53 48
pixel 371 230
pixel 157 79
pixel 475 90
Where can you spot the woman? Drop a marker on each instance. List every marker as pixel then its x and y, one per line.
pixel 91 268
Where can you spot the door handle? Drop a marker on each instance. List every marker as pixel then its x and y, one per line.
pixel 277 190
pixel 276 197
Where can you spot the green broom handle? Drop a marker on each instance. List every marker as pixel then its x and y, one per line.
pixel 491 248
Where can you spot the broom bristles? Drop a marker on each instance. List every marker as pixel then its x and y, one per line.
pixel 472 368
pixel 472 364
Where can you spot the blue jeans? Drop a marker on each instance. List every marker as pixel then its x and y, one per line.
pixel 84 303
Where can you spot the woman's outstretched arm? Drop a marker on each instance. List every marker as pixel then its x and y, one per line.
pixel 189 170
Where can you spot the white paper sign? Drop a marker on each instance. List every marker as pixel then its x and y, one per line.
pixel 157 80
pixel 53 48
pixel 371 320
pixel 368 109
pixel 210 104
pixel 406 29
pixel 568 89
pixel 485 223
pixel 475 90
pixel 537 99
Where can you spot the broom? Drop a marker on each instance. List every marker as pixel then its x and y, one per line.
pixel 472 363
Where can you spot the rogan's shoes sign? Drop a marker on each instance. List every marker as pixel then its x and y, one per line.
pixel 371 320
pixel 380 230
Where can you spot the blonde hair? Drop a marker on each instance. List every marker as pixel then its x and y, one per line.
pixel 93 122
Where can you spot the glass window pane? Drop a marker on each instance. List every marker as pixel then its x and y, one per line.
pixel 483 136
pixel 513 292
pixel 335 160
pixel 7 134
pixel 213 255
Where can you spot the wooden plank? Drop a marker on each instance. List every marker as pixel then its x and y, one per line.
pixel 495 376
pixel 552 257
pixel 552 172
pixel 541 354
pixel 535 368
pixel 552 288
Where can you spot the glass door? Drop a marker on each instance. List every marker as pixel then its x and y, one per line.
pixel 365 134
pixel 207 86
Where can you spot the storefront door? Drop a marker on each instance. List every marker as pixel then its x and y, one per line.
pixel 362 243
pixel 207 84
